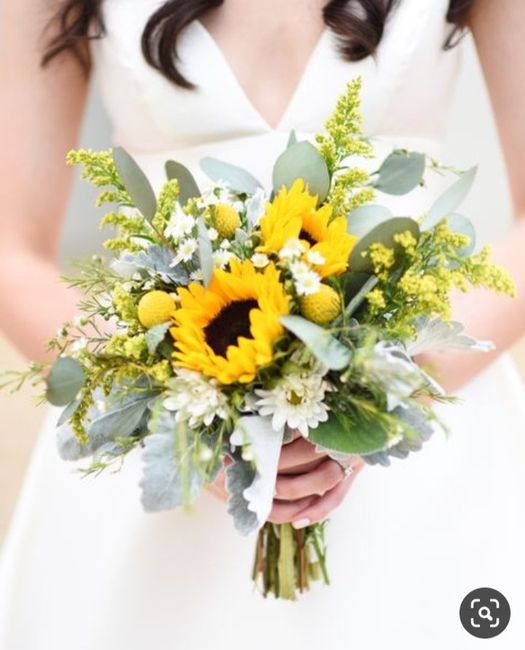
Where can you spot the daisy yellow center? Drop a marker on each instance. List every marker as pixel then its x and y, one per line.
pixel 231 323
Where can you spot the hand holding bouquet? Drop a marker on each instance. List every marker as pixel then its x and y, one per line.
pixel 242 317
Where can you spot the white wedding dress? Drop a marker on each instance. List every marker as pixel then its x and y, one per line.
pixel 85 569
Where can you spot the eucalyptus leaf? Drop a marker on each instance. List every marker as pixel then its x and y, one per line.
pixel 205 252
pixel 135 182
pixel 302 160
pixel 237 178
pixel 401 172
pixel 352 282
pixel 327 349
pixel 292 139
pixel 64 381
pixel 155 335
pixel 170 478
pixel 187 184
pixel 346 435
pixel 384 234
pixel 264 444
pixel 450 200
pixel 365 217
pixel 460 224
pixel 239 476
pixel 361 295
pixel 68 412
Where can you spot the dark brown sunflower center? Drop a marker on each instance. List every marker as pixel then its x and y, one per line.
pixel 306 236
pixel 233 321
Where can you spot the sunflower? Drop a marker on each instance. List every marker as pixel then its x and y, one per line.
pixel 228 330
pixel 293 215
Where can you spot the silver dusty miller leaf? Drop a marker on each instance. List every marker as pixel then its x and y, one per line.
pixel 436 334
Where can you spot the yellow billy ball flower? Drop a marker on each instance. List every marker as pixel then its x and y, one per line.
pixel 154 308
pixel 321 307
pixel 226 220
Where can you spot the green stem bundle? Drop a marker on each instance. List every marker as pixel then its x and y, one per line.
pixel 287 561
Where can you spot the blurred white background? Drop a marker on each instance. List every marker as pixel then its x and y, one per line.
pixel 472 139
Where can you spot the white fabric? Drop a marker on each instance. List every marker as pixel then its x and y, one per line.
pixel 85 569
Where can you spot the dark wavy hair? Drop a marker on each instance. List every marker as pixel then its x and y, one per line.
pixel 359 25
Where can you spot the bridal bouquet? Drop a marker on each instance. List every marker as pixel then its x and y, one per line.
pixel 241 316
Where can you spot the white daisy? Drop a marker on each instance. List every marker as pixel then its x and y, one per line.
pixel 221 258
pixel 212 234
pixel 307 283
pixel 314 257
pixel 194 399
pixel 197 276
pixel 185 251
pixel 180 224
pixel 260 260
pixel 297 401
pixel 293 249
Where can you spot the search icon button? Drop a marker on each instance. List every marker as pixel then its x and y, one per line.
pixel 484 612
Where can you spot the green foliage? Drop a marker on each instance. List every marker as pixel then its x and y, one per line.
pixel 344 130
pixel 401 172
pixel 302 160
pixel 238 179
pixel 64 381
pixel 350 434
pixel 187 185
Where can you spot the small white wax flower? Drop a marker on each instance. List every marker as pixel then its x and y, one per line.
pixel 221 258
pixel 79 345
pixel 315 258
pixel 225 244
pixel 293 249
pixel 299 268
pixel 197 276
pixel 180 224
pixel 212 234
pixel 205 454
pixel 260 260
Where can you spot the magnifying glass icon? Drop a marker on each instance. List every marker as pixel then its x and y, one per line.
pixel 484 612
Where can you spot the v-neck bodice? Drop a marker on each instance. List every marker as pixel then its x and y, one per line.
pixel 406 88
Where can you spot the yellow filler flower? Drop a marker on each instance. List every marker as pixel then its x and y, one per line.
pixel 228 330
pixel 293 215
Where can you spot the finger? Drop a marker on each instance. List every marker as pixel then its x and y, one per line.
pixel 321 479
pixel 323 506
pixel 297 453
pixel 286 511
pixel 218 487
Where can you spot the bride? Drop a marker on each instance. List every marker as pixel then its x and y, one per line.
pixel 83 567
